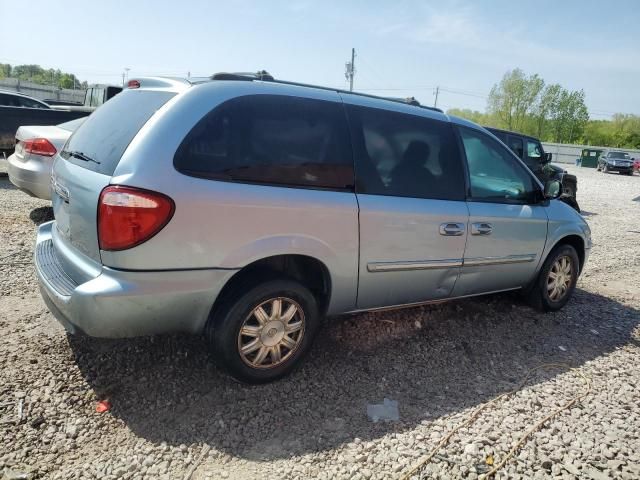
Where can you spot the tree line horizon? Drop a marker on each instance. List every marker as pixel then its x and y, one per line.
pixel 527 104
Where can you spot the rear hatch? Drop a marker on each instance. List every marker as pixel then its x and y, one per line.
pixel 87 162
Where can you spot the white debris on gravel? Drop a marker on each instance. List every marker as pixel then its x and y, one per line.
pixel 440 363
pixel 387 411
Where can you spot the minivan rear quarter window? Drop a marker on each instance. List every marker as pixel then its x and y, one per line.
pixel 271 139
pixel 107 132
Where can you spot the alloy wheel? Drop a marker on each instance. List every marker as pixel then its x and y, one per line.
pixel 559 278
pixel 271 333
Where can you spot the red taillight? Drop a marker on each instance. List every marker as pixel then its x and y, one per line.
pixel 39 146
pixel 133 84
pixel 129 216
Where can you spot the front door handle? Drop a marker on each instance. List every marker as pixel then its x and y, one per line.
pixel 481 228
pixel 452 229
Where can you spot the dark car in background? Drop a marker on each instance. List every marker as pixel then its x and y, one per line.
pixel 615 161
pixel 530 151
pixel 15 99
pixel 17 110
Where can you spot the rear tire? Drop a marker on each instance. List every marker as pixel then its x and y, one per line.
pixel 556 281
pixel 262 334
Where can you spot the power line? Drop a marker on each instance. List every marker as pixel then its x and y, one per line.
pixel 460 92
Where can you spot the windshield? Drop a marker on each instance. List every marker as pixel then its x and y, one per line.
pixel 101 140
pixel 619 155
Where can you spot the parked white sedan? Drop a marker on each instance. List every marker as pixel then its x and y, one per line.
pixel 30 166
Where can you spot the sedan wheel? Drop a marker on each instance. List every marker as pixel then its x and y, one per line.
pixel 271 333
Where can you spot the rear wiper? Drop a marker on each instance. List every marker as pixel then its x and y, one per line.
pixel 80 156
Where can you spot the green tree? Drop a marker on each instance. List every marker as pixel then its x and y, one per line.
pixel 625 130
pixel 37 74
pixel 514 98
pixel 568 116
pixel 547 103
pixel 472 115
pixel 5 70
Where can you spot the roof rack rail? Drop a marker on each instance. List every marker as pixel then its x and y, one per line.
pixel 246 76
pixel 410 100
pixel 263 75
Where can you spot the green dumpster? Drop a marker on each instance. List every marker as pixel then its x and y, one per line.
pixel 589 157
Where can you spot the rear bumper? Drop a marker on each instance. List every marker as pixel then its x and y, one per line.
pixel 32 176
pixel 118 304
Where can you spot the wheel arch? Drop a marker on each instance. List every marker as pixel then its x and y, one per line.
pixel 577 242
pixel 307 270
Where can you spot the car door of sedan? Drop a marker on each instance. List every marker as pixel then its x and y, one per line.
pixel 413 217
pixel 507 225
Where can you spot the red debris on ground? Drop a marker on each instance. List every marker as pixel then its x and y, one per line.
pixel 103 406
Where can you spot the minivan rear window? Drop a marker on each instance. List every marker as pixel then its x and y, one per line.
pixel 107 132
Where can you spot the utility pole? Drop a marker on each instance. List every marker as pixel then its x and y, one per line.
pixel 350 69
pixel 435 104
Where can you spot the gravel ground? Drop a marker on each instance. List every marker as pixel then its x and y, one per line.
pixel 175 416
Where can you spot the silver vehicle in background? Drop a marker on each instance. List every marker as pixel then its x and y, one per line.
pixel 247 208
pixel 29 167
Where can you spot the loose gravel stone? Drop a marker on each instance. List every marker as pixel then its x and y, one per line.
pixel 439 363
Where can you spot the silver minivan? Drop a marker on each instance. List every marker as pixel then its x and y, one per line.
pixel 247 209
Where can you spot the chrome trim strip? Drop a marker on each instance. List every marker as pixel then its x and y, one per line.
pixel 413 265
pixel 447 263
pixel 476 261
pixel 428 302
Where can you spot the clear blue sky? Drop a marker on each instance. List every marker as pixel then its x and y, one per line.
pixel 403 47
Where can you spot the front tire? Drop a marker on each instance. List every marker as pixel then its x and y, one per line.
pixel 572 202
pixel 569 191
pixel 264 333
pixel 557 280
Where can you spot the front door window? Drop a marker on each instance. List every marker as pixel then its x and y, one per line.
pixel 494 174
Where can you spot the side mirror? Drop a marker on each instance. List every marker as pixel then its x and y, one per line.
pixel 552 189
pixel 547 157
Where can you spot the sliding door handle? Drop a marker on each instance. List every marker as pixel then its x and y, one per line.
pixel 452 229
pixel 481 228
